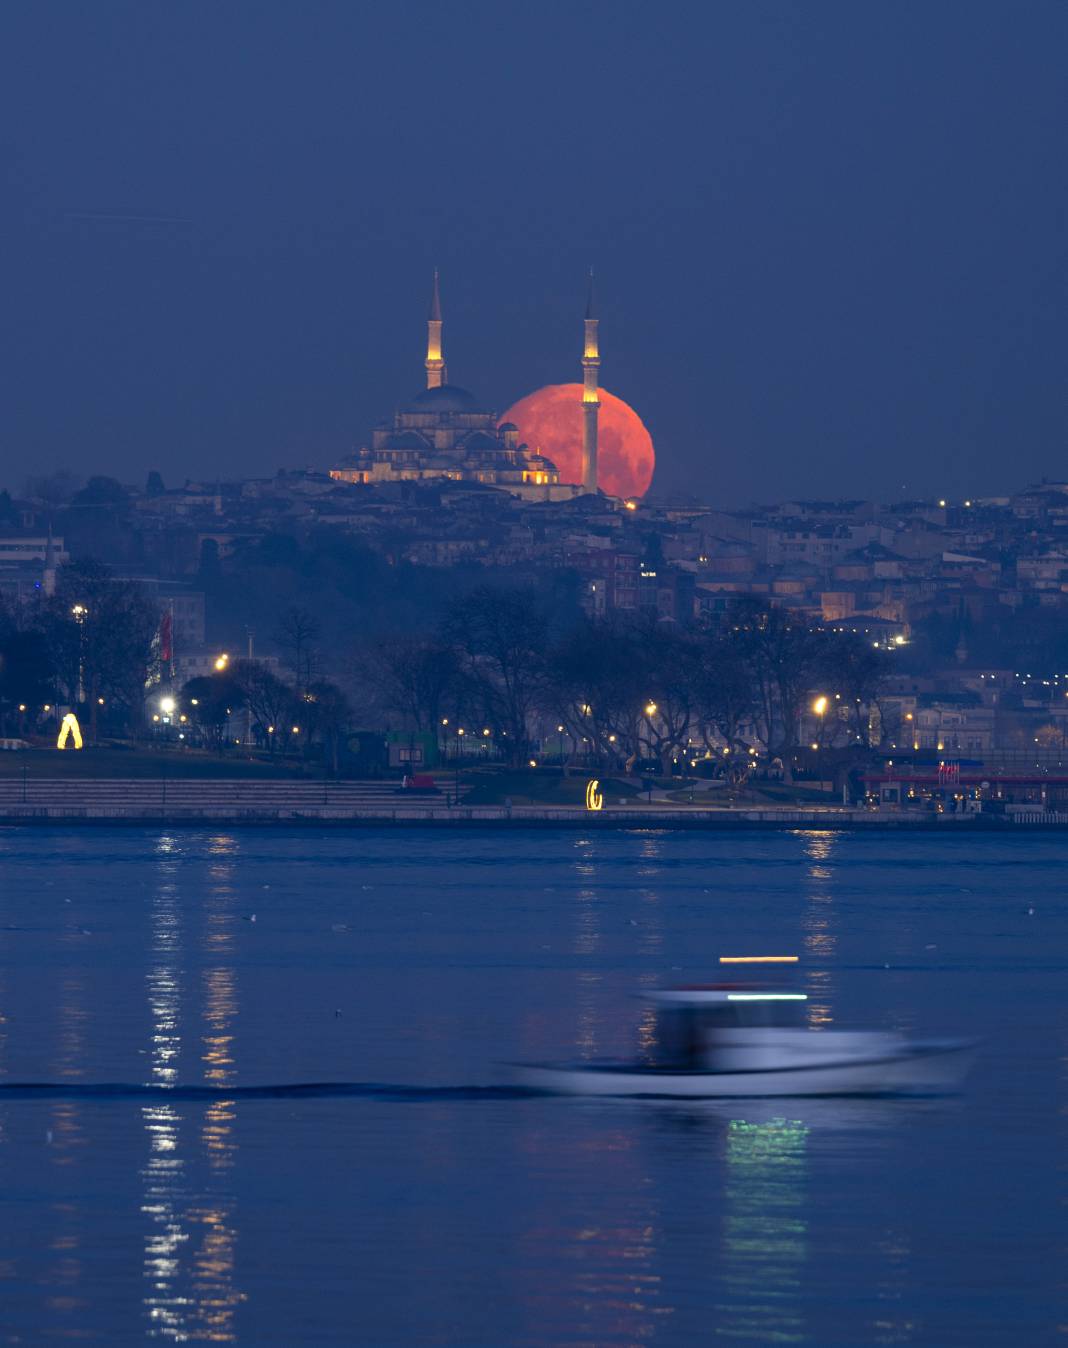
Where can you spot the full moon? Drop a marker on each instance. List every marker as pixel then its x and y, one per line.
pixel 550 421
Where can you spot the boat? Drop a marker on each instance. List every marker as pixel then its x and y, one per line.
pixel 747 1040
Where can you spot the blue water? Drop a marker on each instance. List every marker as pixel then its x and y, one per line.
pixel 426 1202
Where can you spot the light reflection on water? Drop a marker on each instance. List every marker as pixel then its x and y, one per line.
pixel 190 1244
pixel 819 941
pixel 764 1231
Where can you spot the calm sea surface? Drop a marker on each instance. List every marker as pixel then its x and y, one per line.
pixel 429 1205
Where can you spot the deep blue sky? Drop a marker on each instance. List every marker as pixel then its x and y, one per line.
pixel 830 237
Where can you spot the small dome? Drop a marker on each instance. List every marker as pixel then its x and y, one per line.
pixel 508 426
pixel 444 398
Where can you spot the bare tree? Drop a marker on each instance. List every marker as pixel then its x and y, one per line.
pixel 271 701
pixel 298 630
pixel 503 636
pixel 418 679
pixel 329 714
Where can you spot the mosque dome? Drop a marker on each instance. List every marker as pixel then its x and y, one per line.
pixel 444 398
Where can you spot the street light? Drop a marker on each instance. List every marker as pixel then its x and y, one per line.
pixel 221 661
pixel 167 705
pixel 650 709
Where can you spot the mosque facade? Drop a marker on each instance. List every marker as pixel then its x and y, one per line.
pixel 445 432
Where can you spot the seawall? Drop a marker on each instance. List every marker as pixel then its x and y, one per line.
pixel 194 803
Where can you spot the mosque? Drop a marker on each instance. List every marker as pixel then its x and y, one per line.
pixel 444 432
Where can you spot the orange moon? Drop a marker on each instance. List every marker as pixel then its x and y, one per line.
pixel 550 421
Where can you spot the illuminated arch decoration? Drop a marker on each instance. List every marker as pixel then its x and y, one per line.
pixel 594 799
pixel 69 729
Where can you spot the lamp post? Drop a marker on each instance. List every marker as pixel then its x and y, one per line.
pixel 79 613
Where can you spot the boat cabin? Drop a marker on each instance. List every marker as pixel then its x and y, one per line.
pixel 698 1027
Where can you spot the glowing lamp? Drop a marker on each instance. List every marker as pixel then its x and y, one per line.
pixel 819 706
pixel 167 705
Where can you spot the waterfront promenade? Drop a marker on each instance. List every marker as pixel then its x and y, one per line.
pixel 355 803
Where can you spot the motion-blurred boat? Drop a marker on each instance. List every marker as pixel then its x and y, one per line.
pixel 737 1039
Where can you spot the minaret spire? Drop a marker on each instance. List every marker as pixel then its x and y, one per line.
pixel 591 364
pixel 435 365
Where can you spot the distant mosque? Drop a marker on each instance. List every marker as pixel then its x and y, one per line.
pixel 444 432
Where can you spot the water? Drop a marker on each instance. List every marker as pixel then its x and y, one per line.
pixel 425 1201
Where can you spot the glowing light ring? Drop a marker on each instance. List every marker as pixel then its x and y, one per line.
pixel 69 729
pixel 594 799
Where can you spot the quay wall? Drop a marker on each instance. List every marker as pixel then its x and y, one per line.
pixel 373 804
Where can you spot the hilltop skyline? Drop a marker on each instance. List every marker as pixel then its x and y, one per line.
pixel 828 245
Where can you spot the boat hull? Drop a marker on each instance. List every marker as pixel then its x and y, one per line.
pixel 934 1068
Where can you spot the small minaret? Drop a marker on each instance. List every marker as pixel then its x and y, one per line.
pixel 591 364
pixel 436 374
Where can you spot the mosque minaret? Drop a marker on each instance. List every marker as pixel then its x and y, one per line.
pixel 436 374
pixel 445 433
pixel 591 364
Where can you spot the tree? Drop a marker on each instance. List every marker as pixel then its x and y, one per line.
pixel 99 632
pixel 503 635
pixel 724 697
pixel 856 671
pixel 53 489
pixel 212 699
pixel 271 700
pixel 328 714
pixel 593 687
pixel 297 630
pixel 26 675
pixel 671 665
pixel 102 491
pixel 783 659
pixel 418 679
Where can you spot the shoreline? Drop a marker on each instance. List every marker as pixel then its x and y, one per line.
pixel 839 819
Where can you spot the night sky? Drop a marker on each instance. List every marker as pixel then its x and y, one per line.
pixel 830 238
